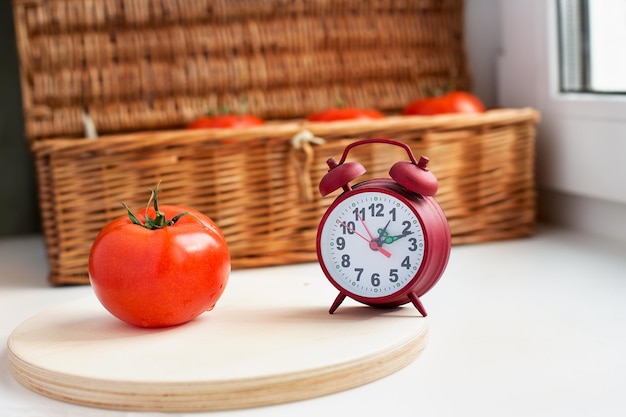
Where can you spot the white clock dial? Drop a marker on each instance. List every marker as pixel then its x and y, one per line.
pixel 372 244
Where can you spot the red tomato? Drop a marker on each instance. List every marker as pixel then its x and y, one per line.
pixel 236 120
pixel 161 277
pixel 344 113
pixel 201 123
pixel 453 102
pixel 226 121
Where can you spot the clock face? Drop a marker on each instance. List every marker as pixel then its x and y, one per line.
pixel 371 243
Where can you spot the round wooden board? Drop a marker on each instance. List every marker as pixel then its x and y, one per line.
pixel 269 340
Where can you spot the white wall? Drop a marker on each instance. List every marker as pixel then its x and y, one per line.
pixel 482 39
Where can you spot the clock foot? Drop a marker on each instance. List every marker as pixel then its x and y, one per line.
pixel 337 302
pixel 418 304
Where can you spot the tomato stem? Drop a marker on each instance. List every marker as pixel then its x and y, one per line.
pixel 159 221
pixel 243 106
pixel 340 101
pixel 242 109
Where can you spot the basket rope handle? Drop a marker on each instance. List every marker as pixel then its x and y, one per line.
pixel 89 126
pixel 301 155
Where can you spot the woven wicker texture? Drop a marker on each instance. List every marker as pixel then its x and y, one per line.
pixel 142 64
pixel 262 190
pixel 143 69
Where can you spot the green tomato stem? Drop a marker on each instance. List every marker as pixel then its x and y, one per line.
pixel 159 221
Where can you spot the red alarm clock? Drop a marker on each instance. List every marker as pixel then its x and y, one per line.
pixel 383 242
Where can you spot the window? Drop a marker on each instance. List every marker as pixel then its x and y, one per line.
pixel 592 36
pixel 581 140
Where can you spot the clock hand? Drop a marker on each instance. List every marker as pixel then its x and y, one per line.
pixel 366 229
pixel 391 239
pixel 374 245
pixel 382 232
pixel 352 230
pixel 383 236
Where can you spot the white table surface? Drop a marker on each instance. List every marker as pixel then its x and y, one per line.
pixel 526 327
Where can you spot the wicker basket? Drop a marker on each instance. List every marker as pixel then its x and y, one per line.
pixel 143 69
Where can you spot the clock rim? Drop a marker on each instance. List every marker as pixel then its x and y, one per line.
pixel 411 200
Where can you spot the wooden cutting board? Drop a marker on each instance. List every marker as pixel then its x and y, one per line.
pixel 269 340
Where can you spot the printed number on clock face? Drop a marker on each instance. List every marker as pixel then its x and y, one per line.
pixel 372 244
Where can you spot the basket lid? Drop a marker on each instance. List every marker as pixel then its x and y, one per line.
pixel 141 64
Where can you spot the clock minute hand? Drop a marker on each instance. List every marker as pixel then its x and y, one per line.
pixel 382 234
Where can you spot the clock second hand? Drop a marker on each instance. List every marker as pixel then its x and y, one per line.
pixel 373 243
pixel 364 226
